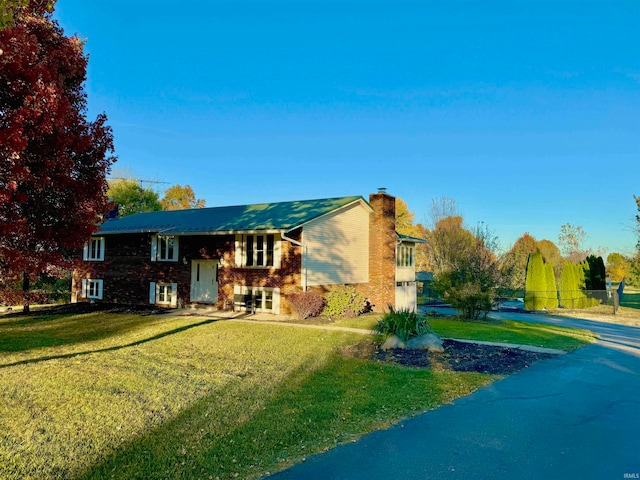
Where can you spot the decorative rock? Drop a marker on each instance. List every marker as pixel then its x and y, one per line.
pixel 430 342
pixel 393 341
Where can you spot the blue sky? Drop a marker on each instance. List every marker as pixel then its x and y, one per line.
pixel 527 113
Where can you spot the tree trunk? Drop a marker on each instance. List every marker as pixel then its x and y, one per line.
pixel 25 292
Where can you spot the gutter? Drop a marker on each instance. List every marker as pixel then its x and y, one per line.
pixel 304 257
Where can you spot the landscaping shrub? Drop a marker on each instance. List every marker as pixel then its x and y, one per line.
pixel 536 283
pixel 403 323
pixel 306 304
pixel 344 301
pixel 552 293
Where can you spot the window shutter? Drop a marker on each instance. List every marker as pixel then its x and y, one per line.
pixel 100 285
pixel 174 294
pixel 239 247
pixel 277 251
pixel 276 301
pixel 176 243
pixel 103 247
pixel 154 248
pixel 85 252
pixel 237 290
pixel 84 293
pixel 152 293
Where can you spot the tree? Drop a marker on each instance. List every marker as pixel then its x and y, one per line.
pixel 618 266
pixel 472 283
pixel 54 161
pixel 404 218
pixel 634 273
pixel 570 240
pixel 516 260
pixel 130 197
pixel 178 197
pixel 10 8
pixel 442 208
pixel 405 226
pixel 450 245
pixel 551 254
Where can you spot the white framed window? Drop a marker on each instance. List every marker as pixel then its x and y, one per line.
pixel 92 288
pixel 404 256
pixel 162 293
pixel 164 248
pixel 267 299
pixel 94 250
pixel 258 250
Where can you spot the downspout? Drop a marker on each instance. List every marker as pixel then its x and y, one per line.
pixel 304 258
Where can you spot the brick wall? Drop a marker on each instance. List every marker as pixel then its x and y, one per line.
pixel 382 252
pixel 127 268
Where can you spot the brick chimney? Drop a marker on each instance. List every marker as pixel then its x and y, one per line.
pixel 382 251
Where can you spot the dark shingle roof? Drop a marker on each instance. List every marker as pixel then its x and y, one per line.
pixel 263 216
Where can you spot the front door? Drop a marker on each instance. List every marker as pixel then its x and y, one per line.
pixel 204 281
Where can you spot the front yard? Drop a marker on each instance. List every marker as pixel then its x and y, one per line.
pixel 130 396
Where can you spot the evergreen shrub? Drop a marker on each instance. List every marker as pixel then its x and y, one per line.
pixel 536 283
pixel 552 293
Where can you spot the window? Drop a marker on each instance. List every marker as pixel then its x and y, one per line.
pixel 163 294
pixel 164 248
pixel 257 251
pixel 267 299
pixel 94 250
pixel 92 288
pixel 404 256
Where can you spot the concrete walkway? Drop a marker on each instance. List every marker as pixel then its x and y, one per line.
pixel 574 416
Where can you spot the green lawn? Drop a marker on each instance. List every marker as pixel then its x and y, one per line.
pixel 631 299
pixel 505 331
pixel 127 396
pixel 508 331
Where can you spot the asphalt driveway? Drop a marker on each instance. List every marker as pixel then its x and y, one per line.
pixel 574 416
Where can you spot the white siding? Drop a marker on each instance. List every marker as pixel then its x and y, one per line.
pixel 338 247
pixel 406 297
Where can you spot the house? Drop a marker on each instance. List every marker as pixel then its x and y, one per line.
pixel 206 256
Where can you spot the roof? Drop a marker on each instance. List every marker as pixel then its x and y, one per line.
pixel 258 217
pixel 424 276
pixel 409 239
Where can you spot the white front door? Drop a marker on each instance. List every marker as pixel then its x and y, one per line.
pixel 204 281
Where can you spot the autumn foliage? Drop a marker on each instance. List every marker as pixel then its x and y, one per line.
pixel 53 161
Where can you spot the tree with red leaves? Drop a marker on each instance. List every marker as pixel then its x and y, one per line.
pixel 53 161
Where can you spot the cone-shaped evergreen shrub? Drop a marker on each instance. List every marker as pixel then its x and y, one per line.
pixel 568 285
pixel 597 274
pixel 536 283
pixel 586 268
pixel 552 294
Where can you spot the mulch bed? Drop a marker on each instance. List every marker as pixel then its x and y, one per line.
pixel 464 357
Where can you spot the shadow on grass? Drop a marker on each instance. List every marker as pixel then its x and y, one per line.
pixel 118 328
pixel 70 324
pixel 269 429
